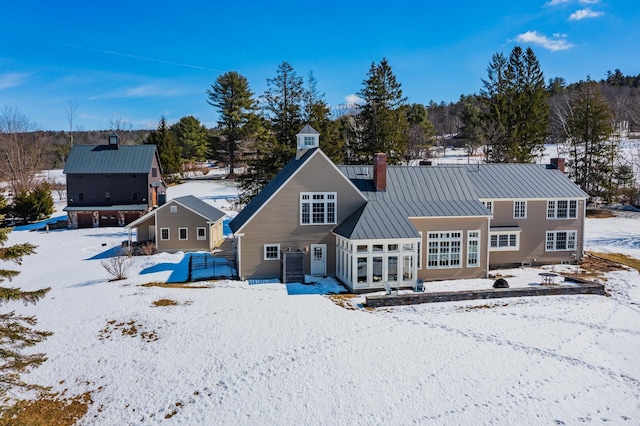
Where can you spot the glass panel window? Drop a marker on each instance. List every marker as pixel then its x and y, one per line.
pixel 392 247
pixel 519 209
pixel 504 240
pixel 272 252
pixel 317 208
pixel 407 268
pixel 444 249
pixel 201 233
pixel 362 248
pixel 182 234
pixel 376 263
pixel 377 247
pixel 488 205
pixel 173 209
pixel 562 209
pixel 473 248
pixel 561 240
pixel 407 246
pixel 164 233
pixel 392 265
pixel 362 270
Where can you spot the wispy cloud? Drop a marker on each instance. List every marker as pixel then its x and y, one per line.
pixel 141 91
pixel 589 1
pixel 9 80
pixel 584 14
pixel 557 2
pixel 558 42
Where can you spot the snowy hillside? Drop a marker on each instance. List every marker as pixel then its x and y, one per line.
pixel 234 353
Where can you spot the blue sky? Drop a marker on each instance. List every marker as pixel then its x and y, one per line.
pixel 137 60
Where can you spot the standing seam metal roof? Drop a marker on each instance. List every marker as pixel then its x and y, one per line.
pixel 106 159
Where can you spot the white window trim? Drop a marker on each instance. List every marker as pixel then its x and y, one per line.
pixel 186 234
pixel 507 248
pixel 476 239
pixel 555 240
pixel 203 237
pixel 325 200
pixel 168 234
pixel 173 209
pixel 488 204
pixel 419 252
pixel 277 247
pixel 439 239
pixel 555 209
pixel 515 210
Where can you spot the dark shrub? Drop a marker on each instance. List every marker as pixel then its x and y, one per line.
pixel 500 283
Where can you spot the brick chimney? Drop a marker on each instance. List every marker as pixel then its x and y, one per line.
pixel 558 163
pixel 380 171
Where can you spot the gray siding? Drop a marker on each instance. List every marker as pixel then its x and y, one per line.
pixel 533 233
pixel 183 218
pixel 279 220
pixel 426 225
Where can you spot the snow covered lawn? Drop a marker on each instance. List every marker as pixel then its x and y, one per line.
pixel 235 353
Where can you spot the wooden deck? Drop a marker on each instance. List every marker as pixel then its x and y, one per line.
pixel 584 287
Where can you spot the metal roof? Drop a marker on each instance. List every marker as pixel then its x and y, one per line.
pixel 207 211
pixel 308 130
pixel 514 181
pixel 108 159
pixel 411 192
pixel 200 207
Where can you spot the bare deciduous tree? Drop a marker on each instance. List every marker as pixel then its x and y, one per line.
pixel 22 154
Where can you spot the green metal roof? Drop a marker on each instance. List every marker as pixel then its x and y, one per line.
pixel 108 159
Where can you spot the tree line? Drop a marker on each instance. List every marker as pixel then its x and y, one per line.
pixel 516 112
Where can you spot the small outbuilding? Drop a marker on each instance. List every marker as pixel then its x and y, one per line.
pixel 182 224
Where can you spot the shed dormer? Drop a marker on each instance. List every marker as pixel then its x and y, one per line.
pixel 308 138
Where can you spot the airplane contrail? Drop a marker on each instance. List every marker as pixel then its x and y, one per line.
pixel 144 58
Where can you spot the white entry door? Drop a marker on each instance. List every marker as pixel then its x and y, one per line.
pixel 318 259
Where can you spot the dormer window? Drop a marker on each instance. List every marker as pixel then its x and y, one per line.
pixel 309 141
pixel 113 139
pixel 308 138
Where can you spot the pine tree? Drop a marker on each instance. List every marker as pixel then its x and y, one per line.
pixel 592 153
pixel 192 137
pixel 16 332
pixel 283 105
pixel 382 122
pixel 420 133
pixel 168 148
pixel 516 107
pixel 233 99
pixel 317 114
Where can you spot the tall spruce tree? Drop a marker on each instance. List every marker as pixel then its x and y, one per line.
pixel 515 98
pixel 591 151
pixel 233 99
pixel 282 104
pixel 168 149
pixel 16 332
pixel 192 137
pixel 317 114
pixel 382 122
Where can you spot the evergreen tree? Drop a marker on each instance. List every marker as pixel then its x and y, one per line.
pixel 591 152
pixel 16 332
pixel 382 122
pixel 233 99
pixel 192 138
pixel 283 106
pixel 168 148
pixel 420 133
pixel 473 130
pixel 515 99
pixel 317 114
pixel 34 205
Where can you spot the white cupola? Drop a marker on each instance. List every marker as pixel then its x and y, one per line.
pixel 308 138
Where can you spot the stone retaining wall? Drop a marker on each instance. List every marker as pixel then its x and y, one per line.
pixel 450 296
